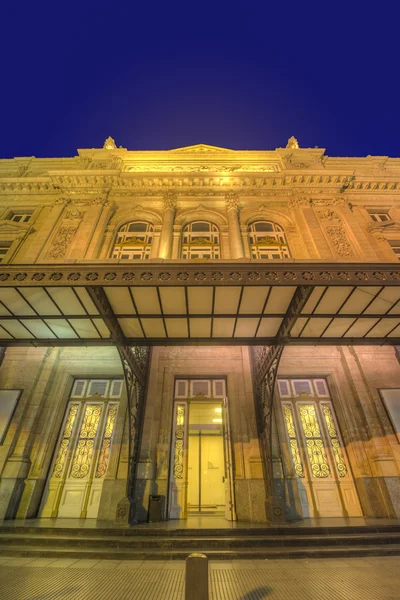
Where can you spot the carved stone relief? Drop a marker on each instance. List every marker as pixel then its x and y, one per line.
pixel 61 241
pixel 338 238
pixel 232 201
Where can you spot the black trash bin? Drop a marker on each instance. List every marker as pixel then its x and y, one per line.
pixel 156 509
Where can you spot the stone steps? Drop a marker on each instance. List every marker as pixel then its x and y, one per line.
pixel 197 543
pixel 165 544
pixel 212 553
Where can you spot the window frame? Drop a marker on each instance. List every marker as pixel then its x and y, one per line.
pixel 208 242
pixel 139 249
pixel 267 251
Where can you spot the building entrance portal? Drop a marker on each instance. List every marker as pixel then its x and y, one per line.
pixel 206 468
pixel 201 457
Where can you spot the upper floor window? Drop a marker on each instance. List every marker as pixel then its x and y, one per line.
pixel 379 216
pixel 133 241
pixel 267 240
pixel 19 217
pixel 200 240
pixel 4 248
pixel 395 244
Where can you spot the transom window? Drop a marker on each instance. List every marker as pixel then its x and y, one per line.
pixel 134 241
pixel 268 241
pixel 200 240
pixel 379 216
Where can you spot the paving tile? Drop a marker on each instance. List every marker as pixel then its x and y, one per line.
pixel 130 564
pixel 153 564
pixel 42 562
pixel 20 561
pixel 86 563
pixel 107 564
pixel 63 562
pixel 175 564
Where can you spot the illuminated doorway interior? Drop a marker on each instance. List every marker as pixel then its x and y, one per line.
pixel 206 461
pixel 201 481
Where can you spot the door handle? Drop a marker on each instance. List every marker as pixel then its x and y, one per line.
pixel 223 479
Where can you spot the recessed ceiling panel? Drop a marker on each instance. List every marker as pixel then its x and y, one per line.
pixel 223 327
pixel 338 327
pixel 333 299
pixel 15 303
pixel 200 328
pixel 102 327
pixel 269 327
pixel 246 327
pixel 61 328
pixel 146 300
pixel 120 300
pixel 298 326
pixel 315 327
pixel 253 300
pixel 313 299
pixel 359 300
pixel 84 328
pixel 131 327
pixel 177 328
pixel 383 327
pixel 153 328
pixel 4 335
pixel 384 302
pixel 66 300
pixel 279 299
pixel 17 330
pixel 200 300
pixel 360 327
pixel 173 300
pixel 227 300
pixel 86 300
pixel 40 301
pixel 38 328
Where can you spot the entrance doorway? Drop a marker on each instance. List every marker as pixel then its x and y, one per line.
pixel 206 461
pixel 320 463
pixel 83 451
pixel 201 480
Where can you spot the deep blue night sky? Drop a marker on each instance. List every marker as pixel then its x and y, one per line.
pixel 163 77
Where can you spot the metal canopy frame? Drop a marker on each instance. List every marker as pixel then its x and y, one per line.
pixel 266 352
pixel 104 326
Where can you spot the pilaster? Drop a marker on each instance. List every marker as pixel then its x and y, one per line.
pixel 235 238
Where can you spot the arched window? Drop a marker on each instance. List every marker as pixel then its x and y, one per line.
pixel 133 241
pixel 267 240
pixel 200 240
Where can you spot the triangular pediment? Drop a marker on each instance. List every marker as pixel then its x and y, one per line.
pixel 7 226
pixel 200 148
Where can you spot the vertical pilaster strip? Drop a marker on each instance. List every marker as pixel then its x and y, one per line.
pixel 167 231
pixel 235 236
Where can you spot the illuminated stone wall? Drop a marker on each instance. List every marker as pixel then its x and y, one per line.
pixel 323 205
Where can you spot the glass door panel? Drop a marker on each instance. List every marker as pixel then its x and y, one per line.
pixel 206 462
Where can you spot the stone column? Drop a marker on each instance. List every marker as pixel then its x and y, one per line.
pixel 235 236
pixel 165 249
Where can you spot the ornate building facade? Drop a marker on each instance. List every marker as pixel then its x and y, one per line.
pixel 217 327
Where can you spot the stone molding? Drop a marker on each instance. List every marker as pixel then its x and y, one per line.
pixel 185 273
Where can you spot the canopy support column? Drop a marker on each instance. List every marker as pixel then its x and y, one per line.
pixel 265 363
pixel 135 363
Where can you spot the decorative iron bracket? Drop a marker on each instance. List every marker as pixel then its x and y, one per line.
pixel 265 362
pixel 135 363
